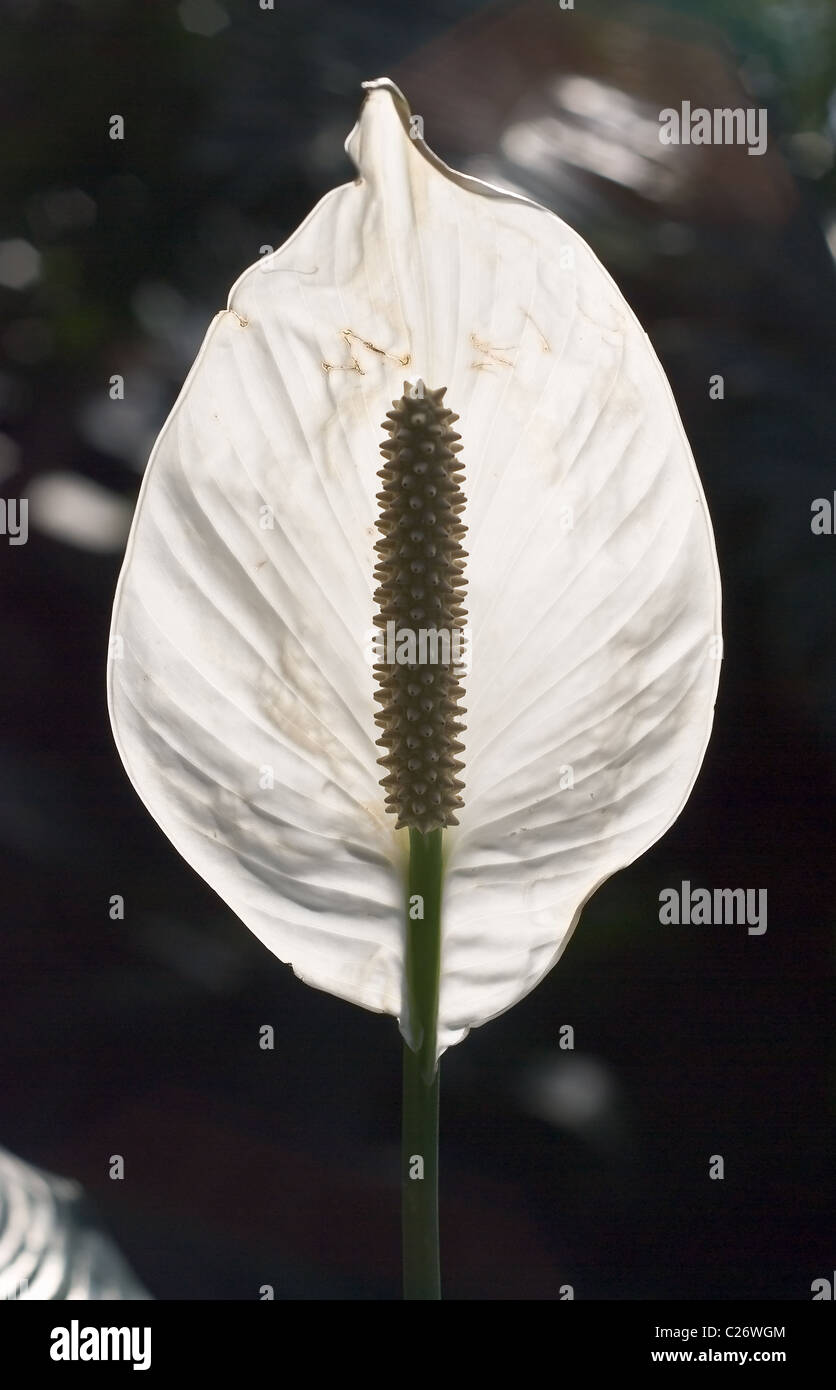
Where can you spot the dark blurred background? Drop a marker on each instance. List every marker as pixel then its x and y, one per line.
pixel 140 1037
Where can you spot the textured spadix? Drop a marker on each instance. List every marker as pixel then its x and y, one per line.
pixel 419 599
pixel 241 684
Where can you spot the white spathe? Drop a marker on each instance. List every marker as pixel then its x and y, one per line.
pixel 240 690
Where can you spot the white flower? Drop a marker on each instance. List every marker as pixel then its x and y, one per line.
pixel 243 702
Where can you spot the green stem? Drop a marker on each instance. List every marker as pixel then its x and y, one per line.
pixel 421 1271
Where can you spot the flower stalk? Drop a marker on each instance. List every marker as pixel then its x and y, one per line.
pixel 419 1157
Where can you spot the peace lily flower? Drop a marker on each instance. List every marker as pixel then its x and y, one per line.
pixel 244 704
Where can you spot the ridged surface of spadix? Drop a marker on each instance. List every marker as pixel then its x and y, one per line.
pixel 420 612
pixel 241 680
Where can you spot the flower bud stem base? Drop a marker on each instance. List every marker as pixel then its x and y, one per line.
pixel 421 1269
